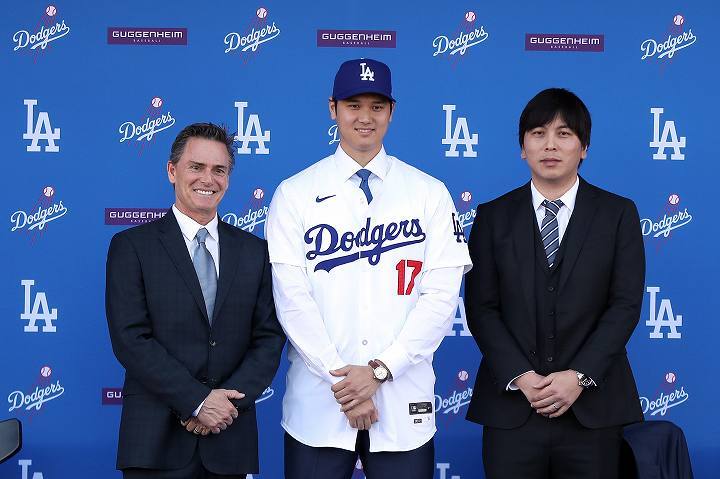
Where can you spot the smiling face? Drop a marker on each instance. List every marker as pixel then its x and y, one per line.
pixel 362 122
pixel 553 152
pixel 200 177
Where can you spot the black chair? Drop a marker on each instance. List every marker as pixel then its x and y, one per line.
pixel 10 438
pixel 654 450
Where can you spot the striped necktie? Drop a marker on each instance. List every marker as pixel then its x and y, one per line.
pixel 549 230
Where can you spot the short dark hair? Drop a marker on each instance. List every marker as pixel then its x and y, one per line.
pixel 552 103
pixel 208 131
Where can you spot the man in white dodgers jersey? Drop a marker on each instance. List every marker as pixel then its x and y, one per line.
pixel 367 258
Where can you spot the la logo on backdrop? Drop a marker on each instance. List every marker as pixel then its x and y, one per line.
pixel 141 133
pixel 253 38
pixel 40 37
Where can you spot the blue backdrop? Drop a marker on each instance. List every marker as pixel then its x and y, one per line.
pixel 93 94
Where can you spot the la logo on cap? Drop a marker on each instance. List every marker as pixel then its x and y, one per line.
pixel 366 73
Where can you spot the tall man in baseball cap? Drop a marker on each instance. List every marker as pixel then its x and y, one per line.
pixel 367 259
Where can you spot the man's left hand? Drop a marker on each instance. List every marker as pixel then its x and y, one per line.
pixel 558 393
pixel 358 386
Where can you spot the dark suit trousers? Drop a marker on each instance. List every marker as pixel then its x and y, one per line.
pixel 306 462
pixel 557 448
pixel 194 470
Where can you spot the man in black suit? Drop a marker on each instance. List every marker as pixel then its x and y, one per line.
pixel 191 317
pixel 553 297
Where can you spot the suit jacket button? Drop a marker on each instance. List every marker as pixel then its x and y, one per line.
pixel 551 288
pixel 212 343
pixel 532 353
pixel 551 336
pixel 549 359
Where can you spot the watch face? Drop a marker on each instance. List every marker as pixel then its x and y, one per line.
pixel 380 373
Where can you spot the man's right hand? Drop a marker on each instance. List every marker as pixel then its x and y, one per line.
pixel 528 384
pixel 217 412
pixel 363 415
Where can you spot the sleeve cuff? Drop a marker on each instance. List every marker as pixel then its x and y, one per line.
pixel 511 385
pixel 395 359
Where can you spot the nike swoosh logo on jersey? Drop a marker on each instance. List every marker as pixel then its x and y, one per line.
pixel 320 200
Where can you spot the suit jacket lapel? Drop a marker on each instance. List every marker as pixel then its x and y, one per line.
pixel 230 253
pixel 580 221
pixel 523 234
pixel 171 237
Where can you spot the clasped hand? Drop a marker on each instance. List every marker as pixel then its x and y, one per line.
pixel 354 394
pixel 550 395
pixel 216 414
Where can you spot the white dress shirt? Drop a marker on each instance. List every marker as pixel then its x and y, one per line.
pixel 340 304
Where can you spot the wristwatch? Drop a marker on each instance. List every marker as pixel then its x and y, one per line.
pixel 583 380
pixel 380 372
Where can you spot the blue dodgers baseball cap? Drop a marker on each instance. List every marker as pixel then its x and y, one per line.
pixel 364 75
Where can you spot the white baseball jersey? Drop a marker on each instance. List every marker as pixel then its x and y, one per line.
pixel 355 281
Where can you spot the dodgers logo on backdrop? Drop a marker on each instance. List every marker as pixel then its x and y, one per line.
pixel 443 469
pixel 357 38
pixel 673 217
pixel 459 135
pixel 468 35
pixel 52 28
pixel 327 241
pixel 42 129
pixel 675 39
pixel 466 213
pixel 132 216
pixel 146 36
pixel 561 42
pixel 668 396
pixel 34 220
pixel 456 399
pixel 267 394
pixel 152 122
pixel 45 390
pixel 260 33
pixel 25 470
pixel 662 317
pixel 40 310
pixel 669 138
pixel 252 132
pixel 253 215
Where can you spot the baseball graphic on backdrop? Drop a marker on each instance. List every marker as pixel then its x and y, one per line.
pixel 678 19
pixel 670 378
pixel 463 375
pixel 45 371
pixel 48 191
pixel 51 10
pixel 156 102
pixel 470 16
pixel 261 12
pixel 258 193
pixel 466 196
pixel 673 199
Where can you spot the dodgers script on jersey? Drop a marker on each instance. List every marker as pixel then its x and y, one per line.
pixel 366 267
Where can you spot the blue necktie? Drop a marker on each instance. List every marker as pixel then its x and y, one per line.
pixel 364 184
pixel 550 230
pixel 206 273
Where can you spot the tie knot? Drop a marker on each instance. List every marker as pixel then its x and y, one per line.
pixel 553 206
pixel 201 235
pixel 364 174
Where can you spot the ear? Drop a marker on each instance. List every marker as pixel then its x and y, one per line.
pixel 583 153
pixel 171 172
pixel 393 107
pixel 523 155
pixel 331 107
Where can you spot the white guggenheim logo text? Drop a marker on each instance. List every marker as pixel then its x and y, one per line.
pixel 669 138
pixel 460 135
pixel 40 310
pixel 662 317
pixel 252 132
pixel 42 130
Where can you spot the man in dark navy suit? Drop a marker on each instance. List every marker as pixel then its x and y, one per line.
pixel 553 297
pixel 191 317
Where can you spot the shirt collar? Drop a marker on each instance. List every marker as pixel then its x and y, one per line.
pixel 568 198
pixel 347 167
pixel 190 227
